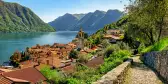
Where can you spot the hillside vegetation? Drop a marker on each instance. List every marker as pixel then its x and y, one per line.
pixel 17 18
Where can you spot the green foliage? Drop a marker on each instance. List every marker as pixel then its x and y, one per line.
pixel 73 54
pixel 51 75
pixel 107 66
pixel 86 75
pixel 95 39
pixel 105 43
pixel 158 46
pixel 73 81
pixel 16 57
pixel 141 47
pixel 123 46
pixel 114 60
pixel 17 18
pixel 161 45
pixel 83 58
pixel 147 49
pixel 86 35
pixel 111 26
pixel 122 21
pixel 110 49
pixel 147 19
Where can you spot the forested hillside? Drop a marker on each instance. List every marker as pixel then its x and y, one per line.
pixel 17 18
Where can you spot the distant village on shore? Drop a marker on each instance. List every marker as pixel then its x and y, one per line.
pixel 58 56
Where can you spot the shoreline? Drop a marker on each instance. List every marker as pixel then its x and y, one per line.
pixel 20 41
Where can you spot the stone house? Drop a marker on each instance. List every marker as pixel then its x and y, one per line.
pixel 114 35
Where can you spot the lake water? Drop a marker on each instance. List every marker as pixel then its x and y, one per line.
pixel 9 43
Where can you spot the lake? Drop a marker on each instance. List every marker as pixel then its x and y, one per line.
pixel 9 43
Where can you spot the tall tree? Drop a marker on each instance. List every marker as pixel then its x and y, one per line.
pixel 147 19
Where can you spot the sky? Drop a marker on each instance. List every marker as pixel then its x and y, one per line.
pixel 48 10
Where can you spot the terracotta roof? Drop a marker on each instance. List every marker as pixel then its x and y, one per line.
pixel 112 36
pixel 5 70
pixel 96 62
pixel 28 63
pixel 18 80
pixel 68 69
pixel 4 80
pixel 1 71
pixel 30 74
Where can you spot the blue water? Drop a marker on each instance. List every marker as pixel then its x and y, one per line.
pixel 9 43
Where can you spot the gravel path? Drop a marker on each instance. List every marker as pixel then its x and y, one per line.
pixel 141 74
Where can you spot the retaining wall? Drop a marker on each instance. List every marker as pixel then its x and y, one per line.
pixel 158 61
pixel 116 76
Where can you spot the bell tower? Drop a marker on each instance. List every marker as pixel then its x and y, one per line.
pixel 81 39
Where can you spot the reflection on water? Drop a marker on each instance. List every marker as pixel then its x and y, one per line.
pixel 19 41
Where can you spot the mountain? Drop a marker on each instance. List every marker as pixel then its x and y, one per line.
pixel 79 16
pixel 90 21
pixel 17 18
pixel 64 22
pixel 109 17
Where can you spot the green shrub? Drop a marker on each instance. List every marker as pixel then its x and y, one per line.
pixel 83 58
pixel 80 67
pixel 105 43
pixel 114 60
pixel 141 47
pixel 158 46
pixel 107 66
pixel 85 75
pixel 123 46
pixel 73 81
pixel 52 75
pixel 73 54
pixel 147 49
pixel 161 45
pixel 110 49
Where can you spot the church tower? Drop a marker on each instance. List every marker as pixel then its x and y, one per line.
pixel 81 39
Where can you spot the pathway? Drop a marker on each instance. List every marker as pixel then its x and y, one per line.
pixel 141 74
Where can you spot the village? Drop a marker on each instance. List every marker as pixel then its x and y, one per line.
pixel 57 56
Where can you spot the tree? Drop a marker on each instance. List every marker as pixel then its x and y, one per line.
pixel 86 35
pixel 16 57
pixel 73 54
pixel 147 19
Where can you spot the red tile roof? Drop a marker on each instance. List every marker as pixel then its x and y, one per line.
pixel 1 71
pixel 30 74
pixel 17 80
pixel 4 80
pixel 69 69
pixel 96 62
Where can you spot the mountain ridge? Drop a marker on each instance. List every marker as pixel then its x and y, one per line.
pixel 90 21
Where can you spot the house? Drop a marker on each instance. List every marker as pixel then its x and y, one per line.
pixel 114 35
pixel 113 31
pixel 23 76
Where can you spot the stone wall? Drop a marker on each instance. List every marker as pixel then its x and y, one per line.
pixel 116 76
pixel 158 61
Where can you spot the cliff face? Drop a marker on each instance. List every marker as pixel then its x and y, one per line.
pixel 17 18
